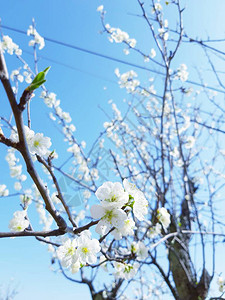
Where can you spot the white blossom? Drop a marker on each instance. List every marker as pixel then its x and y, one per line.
pixel 39 144
pixel 3 190
pixel 103 264
pixel 182 73
pixel 154 231
pixel 37 39
pixel 75 149
pixel 140 250
pixel 119 36
pixel 15 171
pixel 18 222
pixel 17 186
pixel 126 271
pixel 127 229
pixel 190 141
pixel 100 8
pixel 67 253
pixel 140 205
pixel 221 283
pixel 152 53
pixel 87 248
pixel 8 45
pixel 164 217
pixel 15 74
pixel 112 194
pixel 110 216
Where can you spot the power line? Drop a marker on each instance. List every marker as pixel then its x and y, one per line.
pixel 71 67
pixel 85 50
pixel 108 57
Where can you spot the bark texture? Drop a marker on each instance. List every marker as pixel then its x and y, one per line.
pixel 184 275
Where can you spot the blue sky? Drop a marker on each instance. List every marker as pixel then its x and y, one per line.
pixel 90 84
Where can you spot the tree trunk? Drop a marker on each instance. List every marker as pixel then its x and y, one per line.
pixel 181 266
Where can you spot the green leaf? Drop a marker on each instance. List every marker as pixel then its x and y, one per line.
pixel 46 70
pixel 39 79
pixel 34 86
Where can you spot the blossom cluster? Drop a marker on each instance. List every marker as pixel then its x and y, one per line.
pixel 78 252
pixel 19 221
pixel 115 202
pixel 3 190
pixel 221 284
pixel 182 73
pixel 37 39
pixel 119 36
pixel 8 45
pixel 37 143
pixel 127 80
pixel 125 271
pixel 139 249
pixel 15 168
pixel 80 163
pixel 17 76
pixel 164 217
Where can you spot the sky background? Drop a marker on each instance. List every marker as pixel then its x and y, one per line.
pixel 84 83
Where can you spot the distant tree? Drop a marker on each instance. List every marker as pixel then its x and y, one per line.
pixel 150 184
pixel 8 292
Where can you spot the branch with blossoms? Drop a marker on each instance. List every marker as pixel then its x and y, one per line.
pixel 164 202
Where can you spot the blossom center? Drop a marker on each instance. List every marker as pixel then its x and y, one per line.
pixel 113 198
pixel 70 251
pixel 36 143
pixel 85 250
pixel 109 215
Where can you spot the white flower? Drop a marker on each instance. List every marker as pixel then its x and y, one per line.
pixel 221 283
pixel 127 229
pixel 15 171
pixel 87 248
pixel 152 53
pixel 140 206
pixel 112 194
pixel 18 222
pixel 154 231
pixel 39 144
pixel 66 117
pixel 75 267
pixel 87 194
pixel 17 186
pixel 15 74
pixel 182 73
pixel 28 134
pixel 190 141
pixel 110 216
pixel 140 249
pixel 100 8
pixel 37 38
pixel 164 217
pixel 11 158
pixel 126 271
pixel 119 36
pixel 50 99
pixel 103 265
pixel 8 45
pixel 67 253
pixel 75 149
pixel 128 81
pixel 26 198
pixel 3 191
pixel 156 7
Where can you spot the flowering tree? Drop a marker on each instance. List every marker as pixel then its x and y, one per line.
pixel 161 202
